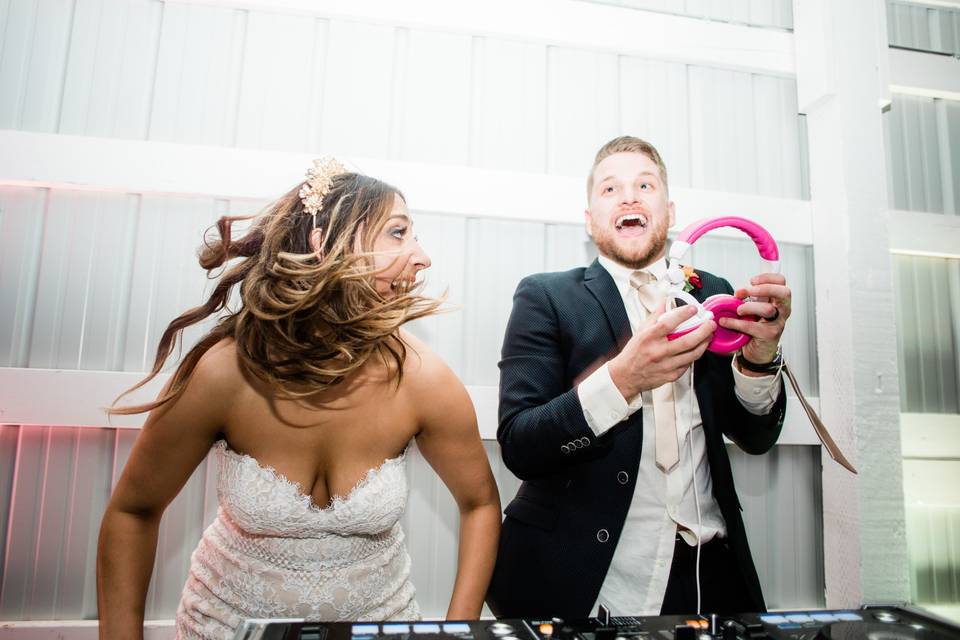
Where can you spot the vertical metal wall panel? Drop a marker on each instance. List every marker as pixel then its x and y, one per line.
pixel 48 567
pixel 928 333
pixel 195 93
pixel 356 114
pixel 748 139
pixel 923 154
pixel 779 146
pixel 582 109
pixel 22 215
pixel 110 66
pixel 932 534
pixel 499 255
pixel 949 141
pixel 508 129
pixel 567 247
pixel 435 130
pixel 9 437
pixel 927 28
pixel 279 93
pixel 781 497
pixel 933 529
pixel 723 136
pixel 145 69
pixel 760 13
pixel 654 106
pixel 431 523
pixel 79 282
pixel 168 279
pixel 32 51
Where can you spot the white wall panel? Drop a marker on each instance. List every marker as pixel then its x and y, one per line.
pixel 914 26
pixel 654 105
pixel 432 117
pixel 58 491
pixel 499 255
pixel 928 333
pixel 948 133
pixel 22 214
pixel 81 279
pixel 743 133
pixel 914 154
pixel 110 68
pixel 781 497
pixel 933 529
pixel 508 127
pixel 582 110
pixel 214 75
pixel 780 147
pixel 31 62
pixel 761 13
pixel 279 86
pixel 197 82
pixel 567 247
pixel 357 92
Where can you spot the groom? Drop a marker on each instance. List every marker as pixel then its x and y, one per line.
pixel 617 432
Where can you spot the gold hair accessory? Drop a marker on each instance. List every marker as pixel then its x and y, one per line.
pixel 319 178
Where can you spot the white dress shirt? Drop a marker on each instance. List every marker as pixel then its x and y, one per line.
pixel 662 502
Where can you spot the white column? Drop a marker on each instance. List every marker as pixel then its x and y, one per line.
pixel 841 76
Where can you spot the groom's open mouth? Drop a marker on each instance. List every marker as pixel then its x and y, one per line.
pixel 631 223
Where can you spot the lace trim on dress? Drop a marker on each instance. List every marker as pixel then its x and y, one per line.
pixel 297 489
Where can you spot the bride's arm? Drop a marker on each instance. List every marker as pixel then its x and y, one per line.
pixel 174 440
pixel 450 442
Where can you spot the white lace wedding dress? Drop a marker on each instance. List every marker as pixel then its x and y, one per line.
pixel 272 553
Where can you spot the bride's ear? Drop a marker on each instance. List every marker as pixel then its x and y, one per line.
pixel 316 240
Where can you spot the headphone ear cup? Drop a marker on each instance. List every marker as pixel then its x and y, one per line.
pixel 725 340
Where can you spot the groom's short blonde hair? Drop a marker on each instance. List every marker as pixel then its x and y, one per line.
pixel 627 144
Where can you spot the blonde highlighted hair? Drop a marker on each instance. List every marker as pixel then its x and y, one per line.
pixel 627 144
pixel 307 319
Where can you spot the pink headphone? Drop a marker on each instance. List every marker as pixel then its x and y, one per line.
pixel 721 305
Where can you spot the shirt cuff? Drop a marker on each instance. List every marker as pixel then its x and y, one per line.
pixel 603 404
pixel 757 395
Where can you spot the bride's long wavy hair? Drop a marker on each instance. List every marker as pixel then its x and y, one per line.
pixel 307 319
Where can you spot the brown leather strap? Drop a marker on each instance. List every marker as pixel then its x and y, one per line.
pixel 818 426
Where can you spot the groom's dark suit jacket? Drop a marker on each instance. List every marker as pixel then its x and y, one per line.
pixel 561 529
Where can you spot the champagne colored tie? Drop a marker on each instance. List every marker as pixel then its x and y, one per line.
pixel 664 410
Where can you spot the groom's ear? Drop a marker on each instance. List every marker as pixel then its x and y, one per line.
pixel 586 221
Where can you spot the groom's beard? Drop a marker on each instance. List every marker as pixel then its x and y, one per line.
pixel 608 245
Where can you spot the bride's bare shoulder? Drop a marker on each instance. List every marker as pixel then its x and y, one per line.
pixel 422 363
pixel 219 368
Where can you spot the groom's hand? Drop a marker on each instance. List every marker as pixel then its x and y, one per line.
pixel 649 360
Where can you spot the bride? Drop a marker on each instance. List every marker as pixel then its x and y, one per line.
pixel 309 393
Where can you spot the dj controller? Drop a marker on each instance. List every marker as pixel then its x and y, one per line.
pixel 868 623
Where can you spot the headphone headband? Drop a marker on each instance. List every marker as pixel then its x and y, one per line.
pixel 764 242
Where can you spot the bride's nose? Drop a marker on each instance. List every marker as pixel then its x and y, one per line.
pixel 420 258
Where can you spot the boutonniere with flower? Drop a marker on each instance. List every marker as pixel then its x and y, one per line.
pixel 691 280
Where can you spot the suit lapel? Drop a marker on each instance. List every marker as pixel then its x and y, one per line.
pixel 601 285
